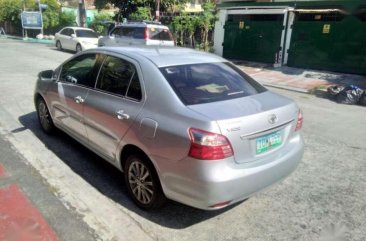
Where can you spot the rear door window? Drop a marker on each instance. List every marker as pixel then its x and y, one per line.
pixel 209 82
pixel 160 34
pixel 118 76
pixel 117 32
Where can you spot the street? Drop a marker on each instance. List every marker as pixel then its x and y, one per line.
pixel 323 198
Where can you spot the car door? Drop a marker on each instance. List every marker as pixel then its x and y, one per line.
pixel 127 36
pixel 63 36
pixel 76 78
pixel 111 108
pixel 71 41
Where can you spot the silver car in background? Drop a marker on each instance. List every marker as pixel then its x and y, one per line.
pixel 138 33
pixel 181 124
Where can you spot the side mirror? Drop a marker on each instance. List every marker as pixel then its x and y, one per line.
pixel 73 35
pixel 46 75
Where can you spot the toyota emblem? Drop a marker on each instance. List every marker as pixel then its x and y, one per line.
pixel 272 119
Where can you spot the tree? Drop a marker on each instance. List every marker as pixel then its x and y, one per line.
pixel 10 10
pixel 66 19
pixel 207 21
pixel 142 13
pixel 51 16
pixel 99 22
pixel 127 7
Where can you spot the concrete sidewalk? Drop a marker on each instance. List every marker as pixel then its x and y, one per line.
pixel 29 210
pixel 296 79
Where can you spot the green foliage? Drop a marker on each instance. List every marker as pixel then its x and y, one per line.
pixel 66 19
pixel 10 10
pixel 142 13
pixel 207 22
pixel 51 16
pixel 99 22
pixel 185 26
pixel 127 7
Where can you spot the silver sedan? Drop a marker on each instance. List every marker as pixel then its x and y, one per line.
pixel 181 124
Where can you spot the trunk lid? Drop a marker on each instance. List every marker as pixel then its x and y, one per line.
pixel 255 125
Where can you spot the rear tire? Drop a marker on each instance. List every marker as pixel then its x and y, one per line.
pixel 58 45
pixel 142 182
pixel 44 117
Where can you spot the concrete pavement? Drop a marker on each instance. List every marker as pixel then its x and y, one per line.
pixel 29 210
pixel 324 197
pixel 297 79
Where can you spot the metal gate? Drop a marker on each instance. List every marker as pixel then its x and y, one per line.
pixel 254 37
pixel 329 39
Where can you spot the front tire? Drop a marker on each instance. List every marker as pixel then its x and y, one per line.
pixel 78 48
pixel 44 117
pixel 58 45
pixel 143 183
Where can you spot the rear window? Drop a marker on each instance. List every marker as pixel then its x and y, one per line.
pixel 86 34
pixel 209 82
pixel 160 34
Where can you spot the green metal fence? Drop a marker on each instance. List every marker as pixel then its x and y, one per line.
pixel 253 37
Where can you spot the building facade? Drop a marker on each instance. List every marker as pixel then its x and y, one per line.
pixel 327 35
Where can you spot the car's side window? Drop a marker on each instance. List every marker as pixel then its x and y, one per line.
pixel 118 76
pixel 65 31
pixel 117 32
pixel 80 70
pixel 139 33
pixel 134 90
pixel 128 32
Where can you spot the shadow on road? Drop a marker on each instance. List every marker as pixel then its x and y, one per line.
pixel 109 181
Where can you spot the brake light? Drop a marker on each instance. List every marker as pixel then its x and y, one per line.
pixel 209 146
pixel 299 121
pixel 146 35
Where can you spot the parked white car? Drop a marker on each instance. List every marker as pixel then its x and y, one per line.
pixel 76 39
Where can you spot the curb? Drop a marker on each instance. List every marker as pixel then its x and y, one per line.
pixel 304 91
pixel 31 40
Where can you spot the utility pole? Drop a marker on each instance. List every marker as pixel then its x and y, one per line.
pixel 157 10
pixel 40 12
pixel 82 13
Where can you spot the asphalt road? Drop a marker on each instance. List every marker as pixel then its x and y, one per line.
pixel 324 199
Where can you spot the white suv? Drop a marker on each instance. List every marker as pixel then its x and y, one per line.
pixel 138 33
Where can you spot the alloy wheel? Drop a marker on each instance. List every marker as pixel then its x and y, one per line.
pixel 140 182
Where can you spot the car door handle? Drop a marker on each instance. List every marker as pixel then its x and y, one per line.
pixel 121 115
pixel 79 99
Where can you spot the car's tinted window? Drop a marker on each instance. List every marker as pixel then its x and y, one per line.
pixel 115 75
pixel 117 32
pixel 66 31
pixel 80 70
pixel 86 34
pixel 160 34
pixel 139 33
pixel 209 82
pixel 134 90
pixel 127 32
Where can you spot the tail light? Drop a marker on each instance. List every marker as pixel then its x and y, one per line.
pixel 299 121
pixel 146 34
pixel 209 146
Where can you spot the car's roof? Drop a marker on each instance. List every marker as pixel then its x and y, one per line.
pixel 165 56
pixel 79 28
pixel 142 24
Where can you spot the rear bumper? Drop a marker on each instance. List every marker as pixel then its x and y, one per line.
pixel 202 184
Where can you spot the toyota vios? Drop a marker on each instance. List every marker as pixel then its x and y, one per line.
pixel 181 124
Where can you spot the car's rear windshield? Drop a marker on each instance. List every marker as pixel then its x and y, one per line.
pixel 160 34
pixel 210 82
pixel 86 34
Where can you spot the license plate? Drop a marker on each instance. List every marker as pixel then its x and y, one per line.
pixel 268 142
